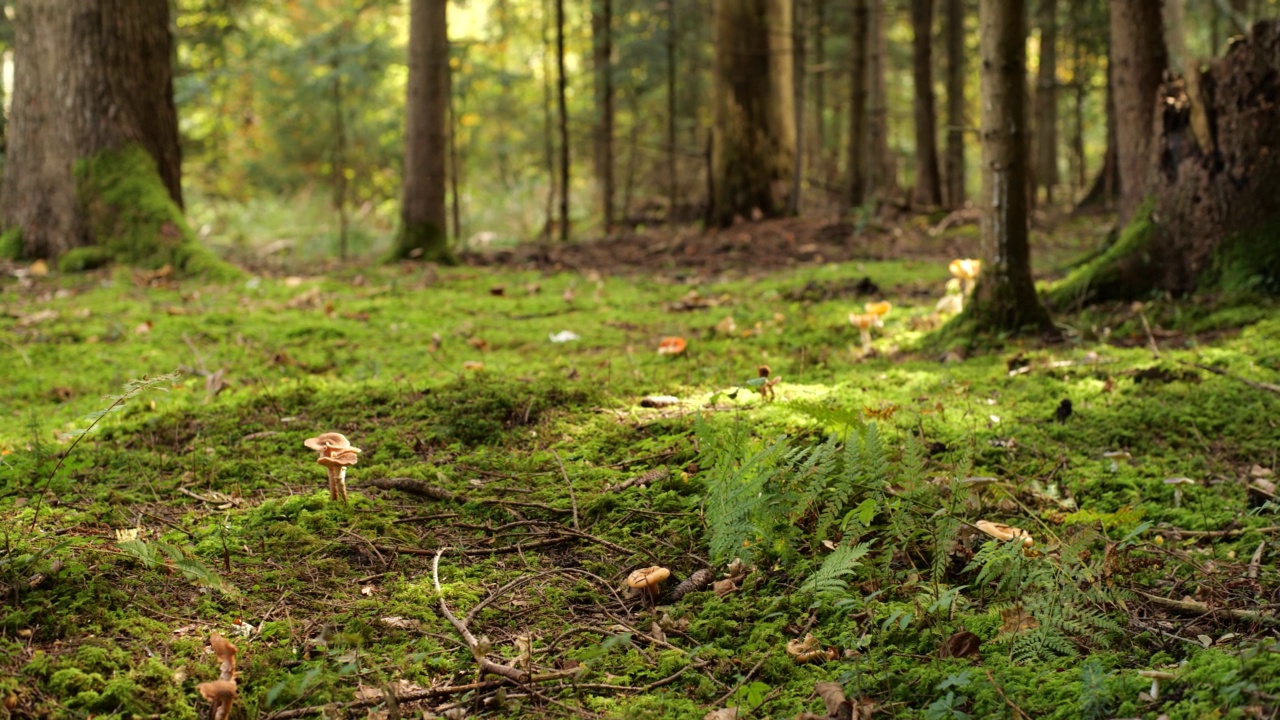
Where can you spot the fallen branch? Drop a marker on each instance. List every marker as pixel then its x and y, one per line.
pixel 1172 532
pixel 659 473
pixel 417 487
pixel 1192 607
pixel 1218 371
pixel 479 650
pixel 572 498
pixel 425 694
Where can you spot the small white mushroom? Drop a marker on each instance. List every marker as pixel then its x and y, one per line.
pixel 1177 484
pixel 1156 676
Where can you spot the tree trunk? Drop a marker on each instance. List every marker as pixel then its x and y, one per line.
pixel 1212 218
pixel 819 141
pixel 1046 101
pixel 548 120
pixel 1005 298
pixel 859 75
pixel 799 66
pixel 562 101
pixel 602 40
pixel 754 135
pixel 423 232
pixel 883 178
pixel 1106 184
pixel 673 182
pixel 954 165
pixel 1138 59
pixel 928 182
pixel 93 170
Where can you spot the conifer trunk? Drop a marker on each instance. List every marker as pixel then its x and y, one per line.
pixel 859 75
pixel 1138 59
pixel 928 180
pixel 602 40
pixel 954 164
pixel 1046 102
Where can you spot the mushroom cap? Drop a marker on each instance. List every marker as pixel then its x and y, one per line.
pixel 325 442
pixel 797 646
pixel 965 268
pixel 1179 481
pixel 1157 674
pixel 673 345
pixel 879 308
pixel 1000 531
pixel 217 690
pixel 338 459
pixel 648 578
pixel 862 321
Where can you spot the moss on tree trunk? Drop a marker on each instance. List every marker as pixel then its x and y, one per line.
pixel 424 241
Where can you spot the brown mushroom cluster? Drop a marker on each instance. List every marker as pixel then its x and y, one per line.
pixel 336 455
pixel 221 693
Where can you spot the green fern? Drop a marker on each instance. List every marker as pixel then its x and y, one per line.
pixel 828 581
pixel 842 420
pixel 156 553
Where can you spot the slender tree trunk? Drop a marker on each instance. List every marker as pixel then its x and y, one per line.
pixel 1105 189
pixel 1138 59
pixel 928 182
pixel 883 175
pixel 424 228
pixel 455 163
pixel 859 75
pixel 1080 71
pixel 93 155
pixel 954 165
pixel 798 82
pixel 548 121
pixel 819 141
pixel 602 39
pixel 562 99
pixel 1005 298
pixel 506 107
pixel 753 151
pixel 339 163
pixel 1046 101
pixel 673 181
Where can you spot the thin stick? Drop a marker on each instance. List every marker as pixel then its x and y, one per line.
pixel 572 498
pixel 1219 533
pixel 478 652
pixel 1251 383
pixel 1256 561
pixel 1197 608
pixel 1151 340
pixel 1018 713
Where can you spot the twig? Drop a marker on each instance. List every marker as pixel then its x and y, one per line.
pixel 1256 561
pixel 493 596
pixel 416 487
pixel 1218 533
pixel 477 651
pixel 1251 383
pixel 656 474
pixel 403 697
pixel 743 681
pixel 572 498
pixel 1151 340
pixel 1018 713
pixel 1198 608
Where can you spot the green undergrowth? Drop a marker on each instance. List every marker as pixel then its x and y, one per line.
pixel 853 496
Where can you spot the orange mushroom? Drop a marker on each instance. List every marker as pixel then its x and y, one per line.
pixel 879 309
pixel 864 323
pixel 673 345
pixel 967 271
pixel 648 579
pixel 1004 533
pixel 336 454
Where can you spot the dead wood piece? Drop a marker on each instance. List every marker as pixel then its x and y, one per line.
pixel 478 650
pixel 1251 383
pixel 657 474
pixel 1192 607
pixel 417 487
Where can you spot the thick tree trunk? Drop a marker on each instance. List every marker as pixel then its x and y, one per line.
pixel 754 135
pixel 1046 101
pixel 883 177
pixel 1212 219
pixel 93 159
pixel 423 232
pixel 562 104
pixel 602 40
pixel 1138 59
pixel 954 164
pixel 928 180
pixel 1105 189
pixel 859 75
pixel 1005 298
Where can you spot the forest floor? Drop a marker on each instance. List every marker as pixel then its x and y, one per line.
pixel 854 494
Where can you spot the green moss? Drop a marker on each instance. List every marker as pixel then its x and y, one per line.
pixel 1103 277
pixel 423 241
pixel 11 244
pixel 1249 261
pixel 133 220
pixel 84 258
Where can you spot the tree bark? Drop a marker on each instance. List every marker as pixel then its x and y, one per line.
pixel 859 76
pixel 883 176
pixel 673 182
pixel 423 232
pixel 1138 59
pixel 1212 217
pixel 562 102
pixel 1046 101
pixel 754 134
pixel 818 142
pixel 799 66
pixel 1105 189
pixel 602 40
pixel 928 181
pixel 954 165
pixel 93 163
pixel 1005 298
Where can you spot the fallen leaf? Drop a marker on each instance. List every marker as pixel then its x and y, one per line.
pixel 1258 471
pixel 960 645
pixel 722 714
pixel 832 695
pixel 368 590
pixel 400 623
pixel 659 401
pixel 39 268
pixel 1016 619
pixel 475 365
pixel 724 587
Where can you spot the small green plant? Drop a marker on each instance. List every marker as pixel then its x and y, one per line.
pixel 949 706
pixel 157 553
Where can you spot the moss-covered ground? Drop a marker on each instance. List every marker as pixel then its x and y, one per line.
pixel 450 377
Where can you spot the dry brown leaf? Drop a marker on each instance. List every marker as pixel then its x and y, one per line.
pixel 657 634
pixel 401 623
pixel 960 645
pixel 1258 471
pixel 1016 619
pixel 832 695
pixel 724 587
pixel 722 714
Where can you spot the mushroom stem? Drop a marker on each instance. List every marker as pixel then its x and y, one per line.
pixel 1155 688
pixel 1177 497
pixel 341 484
pixel 866 339
pixel 333 482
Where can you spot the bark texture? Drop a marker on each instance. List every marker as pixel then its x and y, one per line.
pixel 883 176
pixel 954 160
pixel 423 231
pixel 753 143
pixel 1138 59
pixel 859 120
pixel 562 104
pixel 1005 298
pixel 602 42
pixel 928 178
pixel 1046 101
pixel 1212 221
pixel 93 91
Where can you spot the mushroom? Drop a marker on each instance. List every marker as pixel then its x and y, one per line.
pixel 336 454
pixel 220 694
pixel 879 309
pixel 809 650
pixel 864 323
pixel 1177 484
pixel 1156 676
pixel 966 270
pixel 1004 533
pixel 648 579
pixel 673 345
